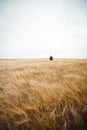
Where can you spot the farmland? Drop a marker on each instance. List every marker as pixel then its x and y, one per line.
pixel 38 94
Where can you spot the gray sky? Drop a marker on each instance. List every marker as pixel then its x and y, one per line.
pixel 39 28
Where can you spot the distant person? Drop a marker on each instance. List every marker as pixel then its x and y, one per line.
pixel 50 58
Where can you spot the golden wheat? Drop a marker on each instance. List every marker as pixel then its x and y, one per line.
pixel 43 95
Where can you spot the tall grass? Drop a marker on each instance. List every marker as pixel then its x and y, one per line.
pixel 43 95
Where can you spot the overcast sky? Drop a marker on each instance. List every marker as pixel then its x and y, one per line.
pixel 40 28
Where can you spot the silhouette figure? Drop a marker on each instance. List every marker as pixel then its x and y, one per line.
pixel 50 58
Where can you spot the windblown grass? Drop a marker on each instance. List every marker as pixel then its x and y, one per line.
pixel 43 95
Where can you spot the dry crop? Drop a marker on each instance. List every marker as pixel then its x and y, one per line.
pixel 43 95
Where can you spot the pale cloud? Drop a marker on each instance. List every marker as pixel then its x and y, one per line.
pixel 39 28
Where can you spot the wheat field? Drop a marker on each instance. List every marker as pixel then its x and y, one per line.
pixel 38 94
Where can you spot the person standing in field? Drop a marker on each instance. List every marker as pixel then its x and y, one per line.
pixel 50 58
